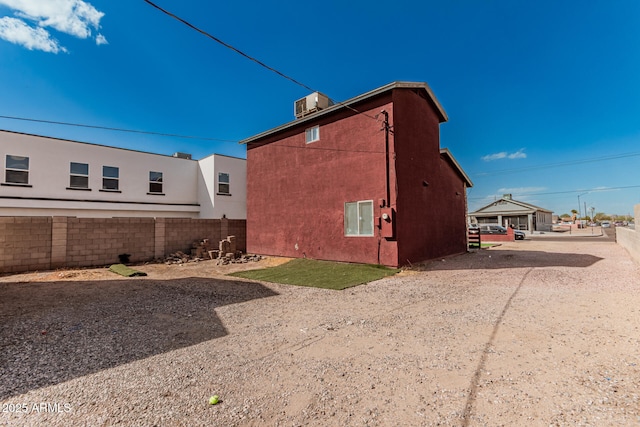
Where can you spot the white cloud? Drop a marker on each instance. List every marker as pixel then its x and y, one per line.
pixel 101 40
pixel 496 156
pixel 18 32
pixel 74 17
pixel 520 154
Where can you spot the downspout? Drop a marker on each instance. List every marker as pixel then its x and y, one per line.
pixel 387 202
pixel 386 156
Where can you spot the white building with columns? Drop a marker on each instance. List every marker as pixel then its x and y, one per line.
pixel 508 212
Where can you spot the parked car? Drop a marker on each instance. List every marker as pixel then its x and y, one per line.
pixel 492 229
pixel 519 235
pixel 498 229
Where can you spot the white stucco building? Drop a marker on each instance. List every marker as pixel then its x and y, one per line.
pixel 45 176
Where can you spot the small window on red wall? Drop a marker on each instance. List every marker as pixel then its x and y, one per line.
pixel 312 134
pixel 358 218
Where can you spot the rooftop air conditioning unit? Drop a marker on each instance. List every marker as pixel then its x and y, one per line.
pixel 311 103
pixel 182 155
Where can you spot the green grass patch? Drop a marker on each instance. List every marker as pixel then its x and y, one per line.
pixel 488 245
pixel 123 270
pixel 319 274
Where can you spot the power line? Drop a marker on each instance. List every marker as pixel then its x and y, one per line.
pixel 117 129
pixel 249 57
pixel 191 136
pixel 306 147
pixel 344 150
pixel 567 191
pixel 560 164
pixel 227 45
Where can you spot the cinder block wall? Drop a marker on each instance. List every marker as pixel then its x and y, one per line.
pixel 630 239
pixel 99 241
pixel 238 228
pixel 181 232
pixel 25 244
pixel 43 243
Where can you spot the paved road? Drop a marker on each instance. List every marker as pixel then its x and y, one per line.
pixel 600 234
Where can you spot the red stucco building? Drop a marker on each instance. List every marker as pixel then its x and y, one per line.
pixel 361 181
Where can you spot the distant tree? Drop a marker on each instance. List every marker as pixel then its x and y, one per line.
pixel 601 216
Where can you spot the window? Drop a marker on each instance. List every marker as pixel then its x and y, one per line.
pixel 223 183
pixel 358 218
pixel 312 134
pixel 17 170
pixel 155 182
pixel 110 181
pixel 78 175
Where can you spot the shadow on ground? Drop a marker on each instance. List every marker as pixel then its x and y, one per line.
pixel 493 259
pixel 56 331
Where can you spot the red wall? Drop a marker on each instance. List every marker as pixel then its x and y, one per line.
pixel 431 218
pixel 509 237
pixel 296 191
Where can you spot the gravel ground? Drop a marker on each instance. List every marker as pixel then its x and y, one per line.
pixel 528 333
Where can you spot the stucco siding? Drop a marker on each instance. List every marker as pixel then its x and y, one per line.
pixel 214 204
pixel 296 191
pixel 431 195
pixel 48 191
pixel 187 189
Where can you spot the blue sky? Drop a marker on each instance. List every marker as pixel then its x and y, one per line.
pixel 543 97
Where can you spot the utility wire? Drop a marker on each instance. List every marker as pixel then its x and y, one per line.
pixel 306 147
pixel 190 136
pixel 344 150
pixel 560 164
pixel 568 191
pixel 116 129
pixel 227 45
pixel 591 160
pixel 251 58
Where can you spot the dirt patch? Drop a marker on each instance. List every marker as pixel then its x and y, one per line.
pixel 527 333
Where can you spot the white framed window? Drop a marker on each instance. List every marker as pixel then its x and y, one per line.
pixel 358 218
pixel 155 182
pixel 110 178
pixel 79 175
pixel 16 170
pixel 312 134
pixel 224 184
